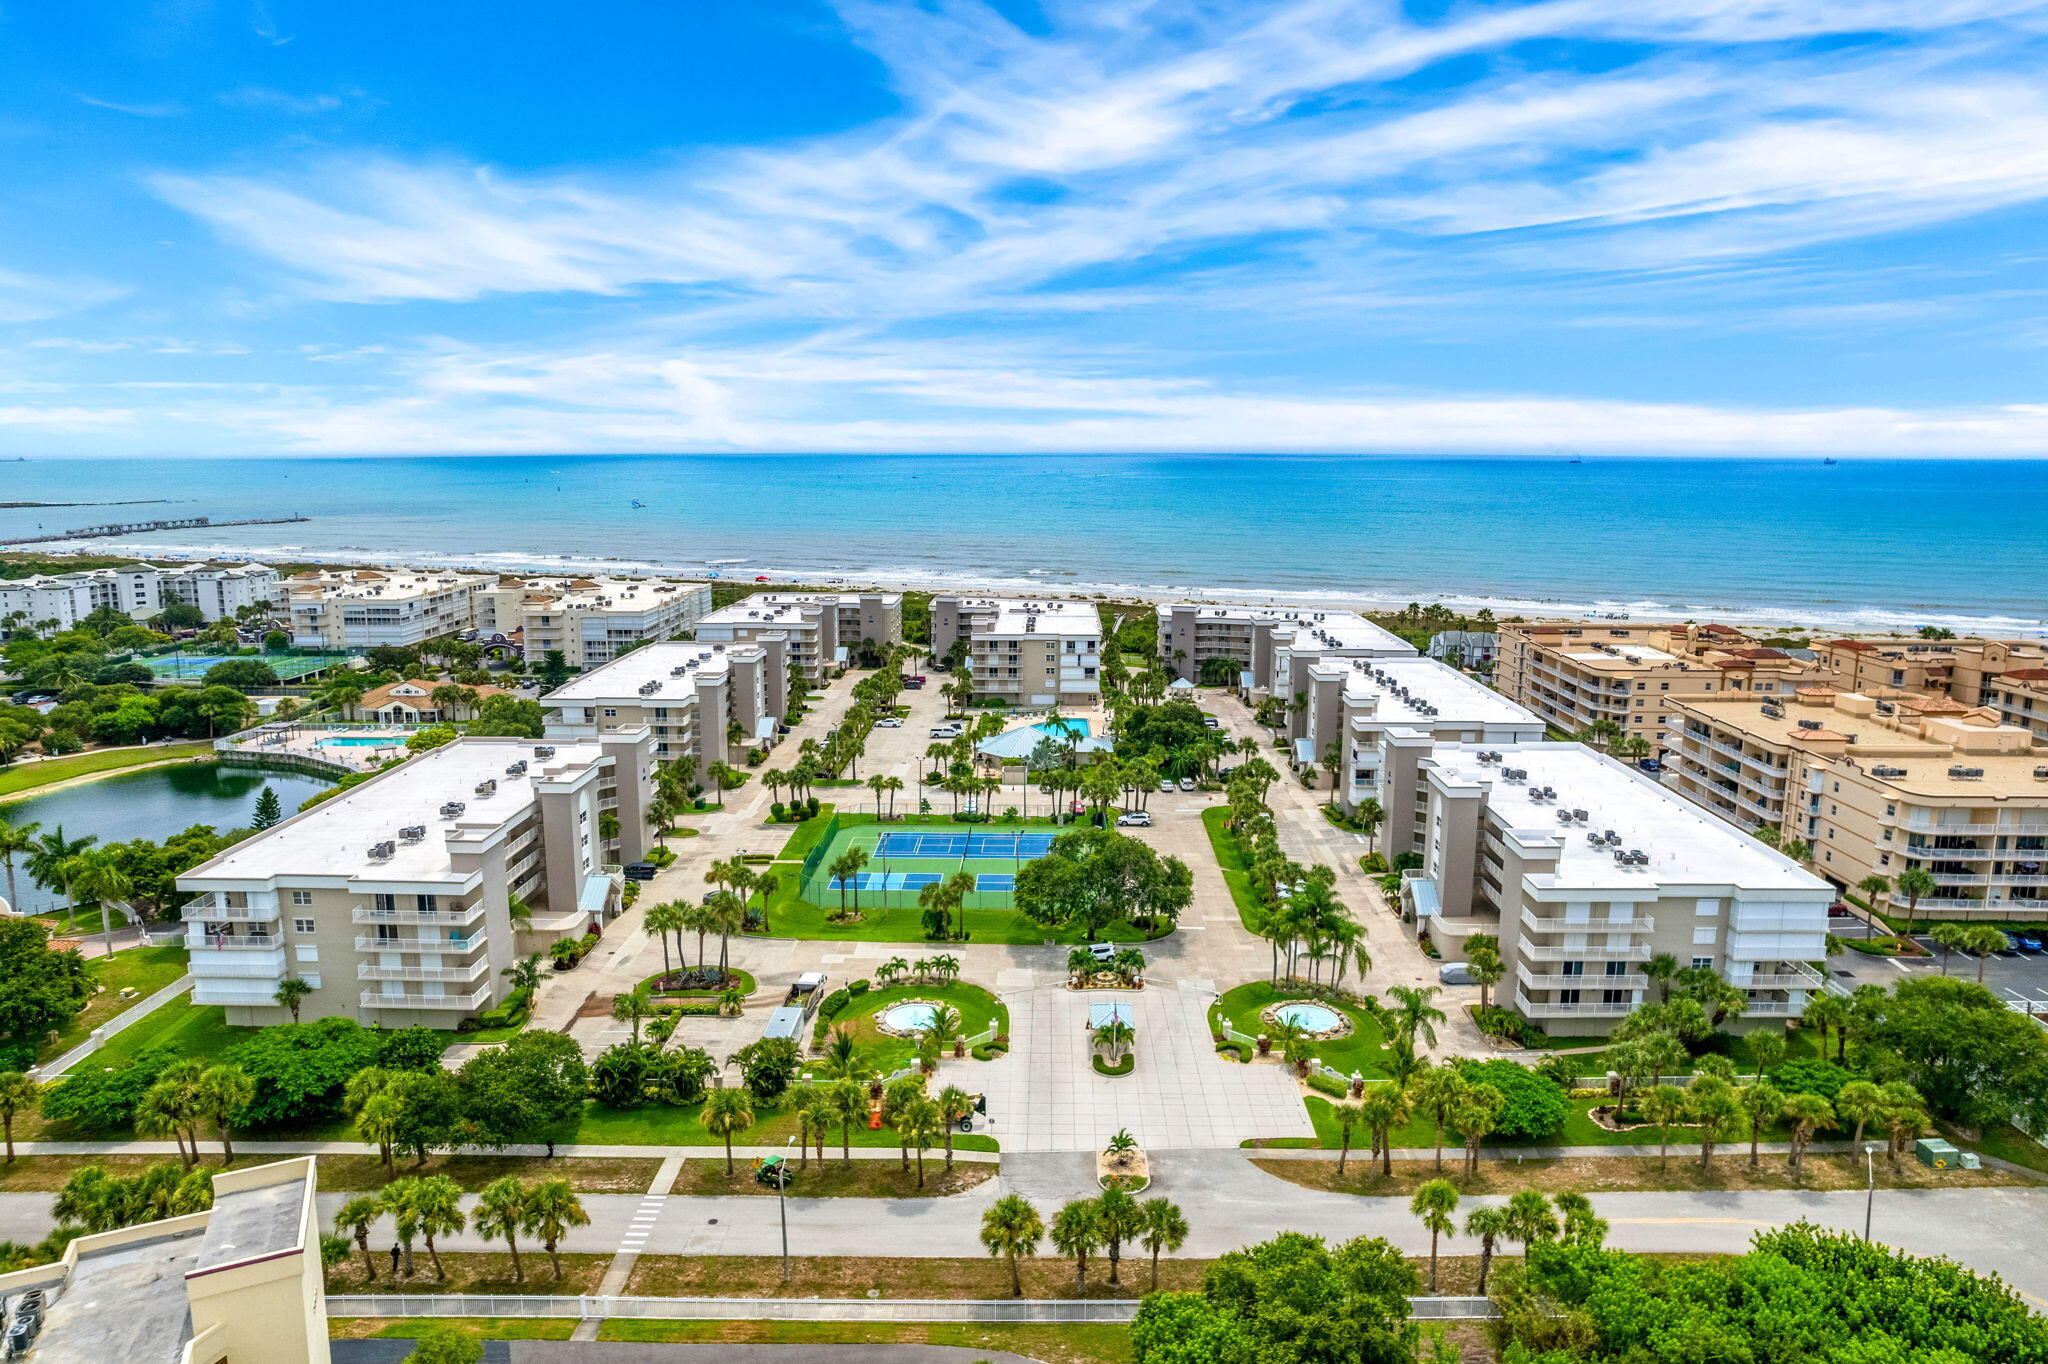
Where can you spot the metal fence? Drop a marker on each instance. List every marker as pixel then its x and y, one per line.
pixel 994 1310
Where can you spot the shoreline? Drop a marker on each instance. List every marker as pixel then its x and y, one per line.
pixel 1818 619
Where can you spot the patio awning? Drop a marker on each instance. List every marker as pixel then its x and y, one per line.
pixel 1101 1015
pixel 1421 893
pixel 1305 752
pixel 597 892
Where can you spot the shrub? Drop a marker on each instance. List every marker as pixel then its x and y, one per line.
pixel 1809 1076
pixel 858 987
pixel 421 1048
pixel 1328 1084
pixel 1123 1067
pixel 1535 1107
pixel 1374 863
pixel 778 812
pixel 1498 1022
pixel 831 1005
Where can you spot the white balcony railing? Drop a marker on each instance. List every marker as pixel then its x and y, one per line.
pixel 420 942
pixel 1543 923
pixel 205 991
pixel 426 918
pixel 1584 1007
pixel 213 907
pixel 457 975
pixel 200 941
pixel 467 1003
pixel 1545 952
pixel 1558 980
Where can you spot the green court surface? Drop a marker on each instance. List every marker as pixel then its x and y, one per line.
pixel 183 667
pixel 902 862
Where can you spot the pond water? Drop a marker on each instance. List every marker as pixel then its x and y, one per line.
pixel 154 805
pixel 1311 1017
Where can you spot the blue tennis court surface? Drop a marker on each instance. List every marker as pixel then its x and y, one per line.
pixel 964 845
pixel 918 880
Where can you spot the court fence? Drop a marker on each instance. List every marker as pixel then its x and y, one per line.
pixel 895 881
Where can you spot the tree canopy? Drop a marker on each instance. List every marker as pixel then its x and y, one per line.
pixel 1093 878
pixel 40 989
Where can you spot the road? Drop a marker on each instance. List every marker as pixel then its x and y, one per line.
pixel 1231 1203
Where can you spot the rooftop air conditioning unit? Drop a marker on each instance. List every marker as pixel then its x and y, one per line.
pixel 1886 708
pixel 1809 724
pixel 1775 712
pixel 452 809
pixel 412 833
pixel 1579 815
pixel 517 769
pixel 1880 771
pixel 487 787
pixel 2041 774
pixel 1594 840
pixel 543 751
pixel 1613 839
pixel 679 670
pixel 1564 816
pixel 380 852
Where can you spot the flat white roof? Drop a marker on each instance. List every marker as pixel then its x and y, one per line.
pixel 1331 630
pixel 389 585
pixel 1634 653
pixel 1685 844
pixel 752 610
pixel 334 837
pixel 622 678
pixel 602 594
pixel 1045 618
pixel 1425 683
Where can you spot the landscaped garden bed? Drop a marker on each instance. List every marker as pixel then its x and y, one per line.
pixel 1358 1046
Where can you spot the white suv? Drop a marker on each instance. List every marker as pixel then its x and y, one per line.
pixel 1136 819
pixel 947 731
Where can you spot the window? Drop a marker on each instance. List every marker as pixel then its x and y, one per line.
pixel 1614 996
pixel 384 904
pixel 306 954
pixel 1567 996
pixel 302 925
pixel 302 897
pixel 1705 935
pixel 428 903
pixel 610 712
pixel 1617 968
pixel 1703 962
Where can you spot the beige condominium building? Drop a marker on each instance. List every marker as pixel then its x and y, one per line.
pixel 240 1283
pixel 1386 715
pixel 355 609
pixel 1963 669
pixel 825 629
pixel 1873 785
pixel 693 698
pixel 392 899
pixel 220 591
pixel 1585 868
pixel 1028 652
pixel 1190 634
pixel 1578 674
pixel 2021 698
pixel 589 620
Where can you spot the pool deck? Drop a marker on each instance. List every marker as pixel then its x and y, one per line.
pixel 305 746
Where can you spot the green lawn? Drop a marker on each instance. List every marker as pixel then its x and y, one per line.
pixel 26 776
pixel 666 1125
pixel 79 923
pixel 977 1009
pixel 1230 857
pixel 194 1029
pixel 1363 1051
pixel 745 985
pixel 145 970
pixel 1578 1130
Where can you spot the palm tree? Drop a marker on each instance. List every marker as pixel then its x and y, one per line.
pixel 917 1125
pixel 16 840
pixel 816 1114
pixel 1383 1108
pixel 502 1210
pixel 663 919
pixel 1981 940
pixel 632 1008
pixel 1713 1106
pixel 221 1093
pixel 1012 1229
pixel 954 1103
pixel 1875 888
pixel 291 993
pixel 849 1099
pixel 551 1210
pixel 1163 1227
pixel 1915 883
pixel 1807 1113
pixel 18 1093
pixel 98 877
pixel 54 861
pixel 1347 1118
pixel 1077 1231
pixel 1530 1219
pixel 396 1199
pixel 1490 1225
pixel 1116 1036
pixel 1121 1219
pixel 728 1112
pixel 1660 969
pixel 1434 1203
pixel 1862 1103
pixel 1662 1105
pixel 1414 1015
pixel 378 1121
pixel 1825 1011
pixel 1762 1104
pixel 1581 1226
pixel 354 1220
pixel 435 1202
pixel 1948 937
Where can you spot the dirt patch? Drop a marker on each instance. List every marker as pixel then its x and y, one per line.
pixel 346 1174
pixel 853 1179
pixel 759 1276
pixel 468 1272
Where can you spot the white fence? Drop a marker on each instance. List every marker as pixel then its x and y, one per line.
pixel 595 1307
pixel 127 1018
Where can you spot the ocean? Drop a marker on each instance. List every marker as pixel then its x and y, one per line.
pixel 1858 545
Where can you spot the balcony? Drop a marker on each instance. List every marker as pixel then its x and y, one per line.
pixel 199 941
pixel 469 1003
pixel 1536 923
pixel 1546 952
pixel 213 907
pixel 1787 977
pixel 427 918
pixel 420 943
pixel 456 975
pixel 1557 980
pixel 1585 1008
pixel 206 991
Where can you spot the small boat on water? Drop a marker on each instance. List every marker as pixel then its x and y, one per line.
pixel 638 504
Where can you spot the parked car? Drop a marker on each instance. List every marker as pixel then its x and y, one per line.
pixel 913 684
pixel 1135 819
pixel 1102 951
pixel 889 722
pixel 1187 783
pixel 1455 973
pixel 2029 943
pixel 948 731
pixel 2012 944
pixel 1166 783
pixel 640 871
pixel 1212 722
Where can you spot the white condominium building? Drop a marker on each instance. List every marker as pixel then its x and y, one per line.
pixel 240 1283
pixel 137 590
pixel 824 628
pixel 689 695
pixel 589 619
pixel 357 609
pixel 1385 716
pixel 1191 634
pixel 391 899
pixel 1027 652
pixel 1584 869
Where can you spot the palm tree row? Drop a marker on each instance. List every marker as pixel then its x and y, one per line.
pixel 429 1208
pixel 1012 1229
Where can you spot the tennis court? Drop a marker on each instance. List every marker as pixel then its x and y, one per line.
pixel 187 667
pixel 1024 847
pixel 902 862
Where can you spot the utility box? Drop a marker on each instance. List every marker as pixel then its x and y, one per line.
pixel 1935 1153
pixel 1970 1161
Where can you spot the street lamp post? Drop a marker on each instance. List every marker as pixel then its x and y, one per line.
pixel 782 1206
pixel 1870 1185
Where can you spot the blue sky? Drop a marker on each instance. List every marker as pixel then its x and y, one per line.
pixel 1687 226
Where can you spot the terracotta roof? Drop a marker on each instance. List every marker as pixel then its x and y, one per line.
pixel 1932 705
pixel 2025 675
pixel 379 697
pixel 1853 645
pixel 1761 653
pixel 1800 735
pixel 1816 689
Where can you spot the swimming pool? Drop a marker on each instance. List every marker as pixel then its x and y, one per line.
pixel 1062 724
pixel 335 742
pixel 907 1018
pixel 1309 1017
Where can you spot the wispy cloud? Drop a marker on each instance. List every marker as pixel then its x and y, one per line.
pixel 163 109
